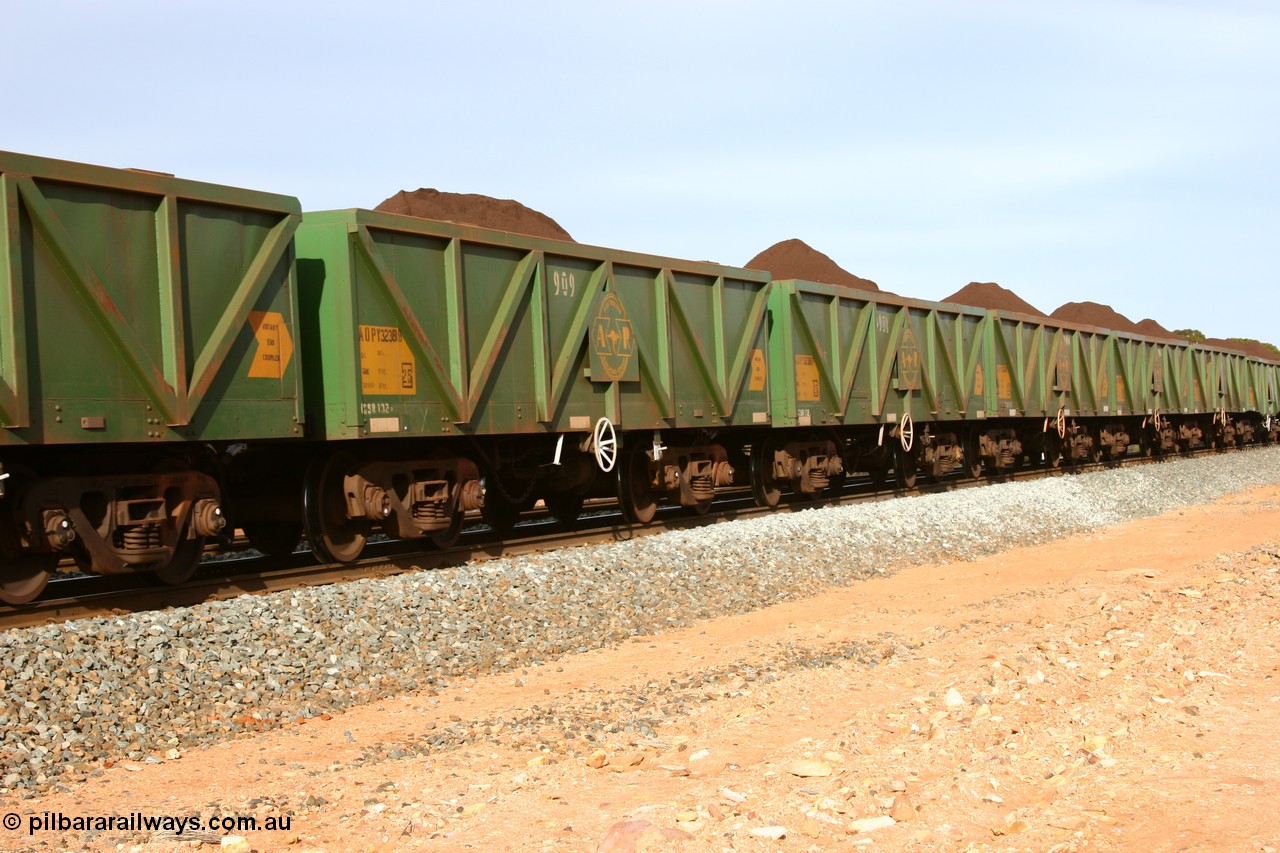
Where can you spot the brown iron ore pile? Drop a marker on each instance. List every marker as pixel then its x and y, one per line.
pixel 783 260
pixel 1247 347
pixel 797 259
pixel 1106 317
pixel 1152 329
pixel 1094 314
pixel 988 294
pixel 479 210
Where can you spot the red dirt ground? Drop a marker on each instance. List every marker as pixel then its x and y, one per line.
pixel 1116 691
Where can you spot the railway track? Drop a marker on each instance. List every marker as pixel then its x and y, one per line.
pixel 86 596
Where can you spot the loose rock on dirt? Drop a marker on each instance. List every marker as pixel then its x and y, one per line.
pixel 1104 679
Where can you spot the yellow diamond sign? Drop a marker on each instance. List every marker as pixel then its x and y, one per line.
pixel 274 345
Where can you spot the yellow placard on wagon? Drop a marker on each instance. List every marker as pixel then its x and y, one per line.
pixel 274 346
pixel 808 386
pixel 386 363
pixel 758 372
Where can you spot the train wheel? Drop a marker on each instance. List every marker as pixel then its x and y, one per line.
pixel 1053 459
pixel 973 455
pixel 274 538
pixel 1145 450
pixel 565 507
pixel 23 574
pixel 499 512
pixel 1051 450
pixel 764 488
pixel 24 577
pixel 182 565
pixel 904 470
pixel 835 487
pixel 635 494
pixel 332 535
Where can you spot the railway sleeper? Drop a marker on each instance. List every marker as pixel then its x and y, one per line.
pixel 114 524
pixel 413 498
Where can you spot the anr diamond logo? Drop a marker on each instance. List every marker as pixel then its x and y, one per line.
pixel 613 339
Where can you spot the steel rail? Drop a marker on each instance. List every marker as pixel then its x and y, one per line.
pixel 215 580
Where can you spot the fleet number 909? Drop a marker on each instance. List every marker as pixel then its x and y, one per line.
pixel 563 284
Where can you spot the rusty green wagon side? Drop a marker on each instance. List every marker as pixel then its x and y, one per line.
pixel 488 369
pixel 146 323
pixel 868 381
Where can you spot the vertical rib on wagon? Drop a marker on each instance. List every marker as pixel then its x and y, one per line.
pixel 487 370
pixel 146 332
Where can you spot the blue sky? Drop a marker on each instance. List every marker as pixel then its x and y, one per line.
pixel 1123 152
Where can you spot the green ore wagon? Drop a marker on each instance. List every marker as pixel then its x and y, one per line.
pixel 146 326
pixel 453 368
pixel 913 387
pixel 162 371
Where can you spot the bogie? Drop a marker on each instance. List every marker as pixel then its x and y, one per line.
pixel 355 373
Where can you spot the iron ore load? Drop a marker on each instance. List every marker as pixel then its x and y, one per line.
pixel 180 359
